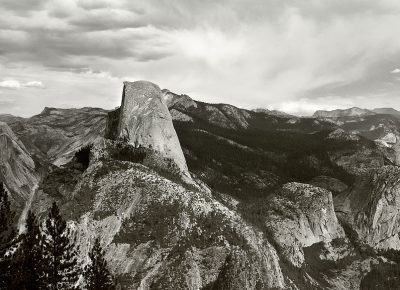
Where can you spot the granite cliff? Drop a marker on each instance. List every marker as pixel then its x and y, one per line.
pixel 144 120
pixel 372 208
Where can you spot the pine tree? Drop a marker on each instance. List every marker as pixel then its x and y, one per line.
pixel 7 230
pixel 28 259
pixel 7 238
pixel 61 267
pixel 96 274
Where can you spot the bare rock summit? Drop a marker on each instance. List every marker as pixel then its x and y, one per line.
pixel 144 120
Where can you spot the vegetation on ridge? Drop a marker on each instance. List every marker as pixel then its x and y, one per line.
pixel 45 255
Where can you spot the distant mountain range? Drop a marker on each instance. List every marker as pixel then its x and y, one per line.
pixel 354 112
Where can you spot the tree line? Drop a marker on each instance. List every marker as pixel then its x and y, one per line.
pixel 45 255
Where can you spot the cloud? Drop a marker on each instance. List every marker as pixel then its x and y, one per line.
pixel 395 71
pixel 10 84
pixel 34 84
pixel 23 6
pixel 286 54
pixel 15 84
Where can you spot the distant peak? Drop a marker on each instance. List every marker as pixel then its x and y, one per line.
pixel 351 112
pixel 141 85
pixel 388 111
pixel 171 99
pixel 276 113
pixel 47 110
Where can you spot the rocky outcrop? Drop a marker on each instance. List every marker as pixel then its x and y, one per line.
pixel 227 116
pixel 276 113
pixel 179 116
pixel 144 120
pixel 180 102
pixel 341 135
pixel 183 108
pixel 372 207
pixel 390 138
pixel 299 216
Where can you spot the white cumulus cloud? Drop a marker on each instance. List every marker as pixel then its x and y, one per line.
pixel 15 84
pixel 10 84
pixel 34 84
pixel 395 71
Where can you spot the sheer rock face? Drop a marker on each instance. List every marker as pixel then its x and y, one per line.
pixel 372 207
pixel 300 216
pixel 144 120
pixel 17 169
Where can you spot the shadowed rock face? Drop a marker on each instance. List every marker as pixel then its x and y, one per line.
pixel 17 169
pixel 144 120
pixel 332 184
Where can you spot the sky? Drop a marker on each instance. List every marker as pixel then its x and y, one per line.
pixel 295 56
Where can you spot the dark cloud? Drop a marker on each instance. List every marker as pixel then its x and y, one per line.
pixel 94 4
pixel 23 7
pixel 62 48
pixel 100 23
